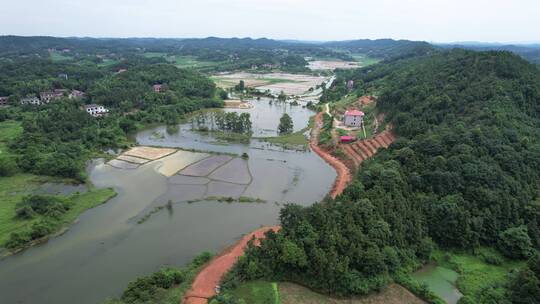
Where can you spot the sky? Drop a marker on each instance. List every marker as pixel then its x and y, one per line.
pixel 429 20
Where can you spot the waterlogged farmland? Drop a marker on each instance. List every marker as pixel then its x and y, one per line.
pixel 168 210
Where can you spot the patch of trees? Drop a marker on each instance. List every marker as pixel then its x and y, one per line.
pixel 49 208
pixel 154 288
pixel 285 124
pixel 222 121
pixel 463 173
pixel 133 88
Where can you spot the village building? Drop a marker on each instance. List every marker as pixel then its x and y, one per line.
pixel 353 118
pixel 158 88
pixel 96 110
pixel 63 76
pixel 4 100
pixel 76 94
pixel 49 96
pixel 350 85
pixel 121 71
pixel 31 100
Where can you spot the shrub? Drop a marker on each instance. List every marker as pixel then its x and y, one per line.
pixel 8 166
pixel 515 243
pixel 25 212
pixel 43 204
pixel 18 239
pixel 491 258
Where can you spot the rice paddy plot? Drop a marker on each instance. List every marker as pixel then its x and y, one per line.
pixel 206 166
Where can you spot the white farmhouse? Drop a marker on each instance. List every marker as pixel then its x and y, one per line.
pixel 96 110
pixel 31 100
pixel 353 118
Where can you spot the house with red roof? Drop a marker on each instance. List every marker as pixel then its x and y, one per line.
pixel 353 118
pixel 158 88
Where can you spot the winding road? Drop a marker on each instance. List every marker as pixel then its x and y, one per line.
pixel 205 283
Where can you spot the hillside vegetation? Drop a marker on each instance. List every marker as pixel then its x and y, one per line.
pixel 464 173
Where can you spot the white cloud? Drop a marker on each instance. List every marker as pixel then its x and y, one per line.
pixel 435 20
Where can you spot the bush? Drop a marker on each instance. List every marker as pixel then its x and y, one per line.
pixel 25 212
pixel 8 166
pixel 515 243
pixel 43 205
pixel 18 239
pixel 139 291
pixel 491 258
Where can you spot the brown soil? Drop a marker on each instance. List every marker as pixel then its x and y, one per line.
pixel 204 285
pixel 361 150
pixel 366 99
pixel 149 153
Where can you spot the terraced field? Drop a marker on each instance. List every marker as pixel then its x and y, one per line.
pixel 364 149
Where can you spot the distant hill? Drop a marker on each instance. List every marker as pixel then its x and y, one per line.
pixel 382 48
pixel 531 52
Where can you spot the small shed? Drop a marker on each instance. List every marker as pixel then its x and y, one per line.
pixel 347 139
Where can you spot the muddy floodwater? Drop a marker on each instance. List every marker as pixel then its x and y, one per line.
pixel 440 280
pixel 112 244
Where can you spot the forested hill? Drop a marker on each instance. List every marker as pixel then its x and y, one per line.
pixel 384 48
pixel 530 52
pixel 464 173
pixel 381 48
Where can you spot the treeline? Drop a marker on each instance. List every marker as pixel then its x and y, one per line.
pixel 464 173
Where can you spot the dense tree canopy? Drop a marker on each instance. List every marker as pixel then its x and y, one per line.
pixel 464 172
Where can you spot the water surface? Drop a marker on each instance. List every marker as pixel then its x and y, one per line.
pixel 107 248
pixel 440 280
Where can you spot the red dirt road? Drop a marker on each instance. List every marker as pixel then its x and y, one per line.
pixel 203 286
pixel 343 173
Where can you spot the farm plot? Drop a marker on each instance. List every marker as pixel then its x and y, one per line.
pixel 290 84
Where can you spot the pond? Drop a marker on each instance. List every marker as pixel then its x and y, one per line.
pixel 440 280
pixel 109 246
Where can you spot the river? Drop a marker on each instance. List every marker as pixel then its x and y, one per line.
pixel 107 248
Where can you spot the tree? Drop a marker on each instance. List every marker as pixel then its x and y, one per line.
pixel 285 124
pixel 282 96
pixel 240 87
pixel 515 243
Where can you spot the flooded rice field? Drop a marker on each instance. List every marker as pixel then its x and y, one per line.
pixel 111 245
pixel 290 84
pixel 321 65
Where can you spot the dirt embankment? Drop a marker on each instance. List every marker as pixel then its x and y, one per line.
pixel 343 173
pixel 204 285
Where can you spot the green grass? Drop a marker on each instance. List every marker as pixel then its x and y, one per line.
pixel 475 275
pixel 9 130
pixel 259 292
pixel 14 188
pixel 59 57
pixel 295 140
pixel 192 62
pixel 364 60
pixel 154 54
pixel 108 62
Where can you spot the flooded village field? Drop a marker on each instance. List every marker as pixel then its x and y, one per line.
pixel 168 209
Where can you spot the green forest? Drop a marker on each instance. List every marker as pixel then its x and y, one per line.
pixel 58 138
pixel 463 175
